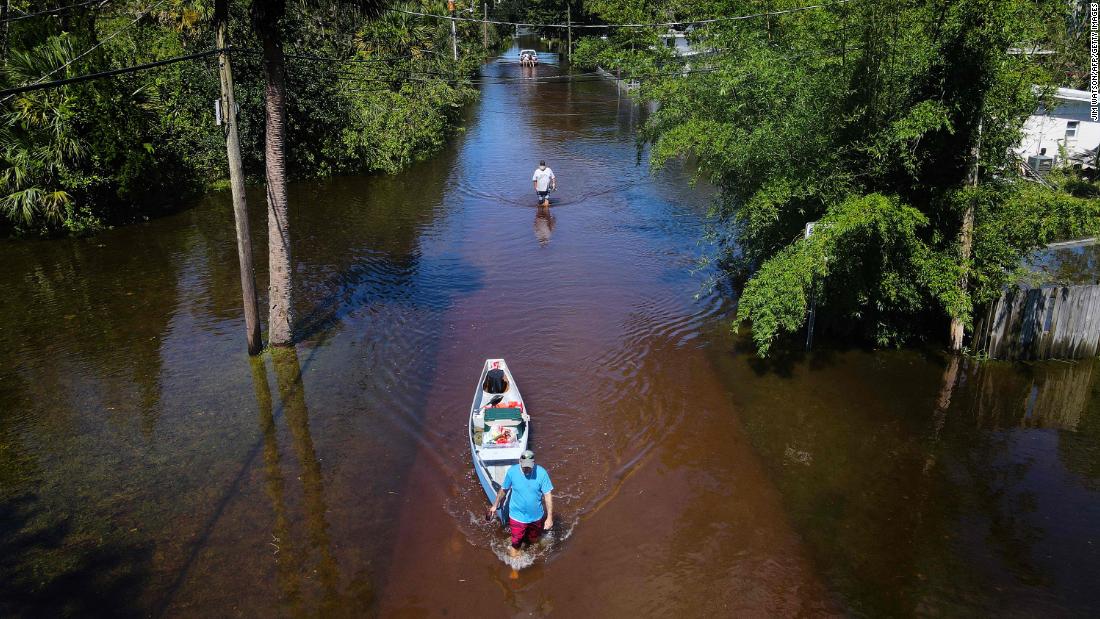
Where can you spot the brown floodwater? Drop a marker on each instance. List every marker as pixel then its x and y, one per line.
pixel 149 467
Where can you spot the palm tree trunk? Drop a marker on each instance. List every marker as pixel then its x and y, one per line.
pixel 266 15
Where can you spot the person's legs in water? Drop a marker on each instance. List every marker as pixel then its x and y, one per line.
pixel 519 532
pixel 534 531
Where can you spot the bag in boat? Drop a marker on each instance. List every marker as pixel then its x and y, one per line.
pixel 495 381
pixel 501 436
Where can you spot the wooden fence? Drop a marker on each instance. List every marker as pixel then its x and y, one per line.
pixel 1052 322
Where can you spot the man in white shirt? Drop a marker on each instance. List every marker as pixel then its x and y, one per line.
pixel 544 182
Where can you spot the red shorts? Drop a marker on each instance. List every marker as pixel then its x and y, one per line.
pixel 531 531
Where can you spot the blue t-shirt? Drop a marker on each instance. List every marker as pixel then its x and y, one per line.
pixel 526 502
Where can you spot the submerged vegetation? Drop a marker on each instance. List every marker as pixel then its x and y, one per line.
pixel 95 153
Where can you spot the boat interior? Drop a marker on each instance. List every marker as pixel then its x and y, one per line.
pixel 501 424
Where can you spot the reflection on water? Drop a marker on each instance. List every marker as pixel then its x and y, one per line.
pixel 962 472
pixel 149 467
pixel 275 487
pixel 544 224
pixel 1079 452
pixel 1054 395
pixel 305 564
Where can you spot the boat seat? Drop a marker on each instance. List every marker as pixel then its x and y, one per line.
pixel 503 414
pixel 505 417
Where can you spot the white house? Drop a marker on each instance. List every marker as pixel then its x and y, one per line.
pixel 1066 133
pixel 678 43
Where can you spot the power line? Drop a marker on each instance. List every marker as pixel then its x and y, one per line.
pixel 60 9
pixel 326 58
pixel 641 25
pixel 409 76
pixel 578 78
pixel 591 76
pixel 588 76
pixel 11 92
pixel 344 60
pixel 500 79
pixel 90 49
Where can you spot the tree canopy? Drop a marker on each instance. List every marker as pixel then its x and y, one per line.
pixel 866 117
pixel 78 157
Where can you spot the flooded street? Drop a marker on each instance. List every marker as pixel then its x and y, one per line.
pixel 149 467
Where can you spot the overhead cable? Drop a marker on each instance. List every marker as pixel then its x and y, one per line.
pixel 408 76
pixel 325 58
pixel 10 92
pixel 579 78
pixel 88 51
pixel 587 76
pixel 668 24
pixel 60 9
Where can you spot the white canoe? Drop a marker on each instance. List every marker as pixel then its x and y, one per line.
pixel 498 433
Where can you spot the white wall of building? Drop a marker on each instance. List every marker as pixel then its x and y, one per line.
pixel 678 42
pixel 1067 125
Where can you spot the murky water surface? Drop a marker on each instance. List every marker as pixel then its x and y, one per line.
pixel 148 467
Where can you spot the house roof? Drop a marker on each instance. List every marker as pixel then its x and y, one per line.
pixel 1073 95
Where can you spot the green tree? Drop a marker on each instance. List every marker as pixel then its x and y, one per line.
pixel 146 142
pixel 36 139
pixel 866 117
pixel 106 145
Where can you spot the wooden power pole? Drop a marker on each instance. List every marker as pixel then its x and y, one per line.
pixel 236 178
pixel 454 32
pixel 485 25
pixel 569 32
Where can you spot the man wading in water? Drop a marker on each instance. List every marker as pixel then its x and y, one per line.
pixel 544 181
pixel 531 487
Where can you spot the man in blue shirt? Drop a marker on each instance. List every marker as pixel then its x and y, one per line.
pixel 531 487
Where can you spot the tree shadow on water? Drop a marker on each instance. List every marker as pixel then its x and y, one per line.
pixel 782 360
pixel 394 280
pixel 43 574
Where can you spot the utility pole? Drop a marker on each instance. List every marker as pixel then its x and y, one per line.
pixel 236 178
pixel 569 32
pixel 966 237
pixel 485 25
pixel 812 318
pixel 454 33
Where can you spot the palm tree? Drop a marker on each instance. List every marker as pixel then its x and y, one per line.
pixel 38 141
pixel 267 17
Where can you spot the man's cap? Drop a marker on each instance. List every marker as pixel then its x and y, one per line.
pixel 527 460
